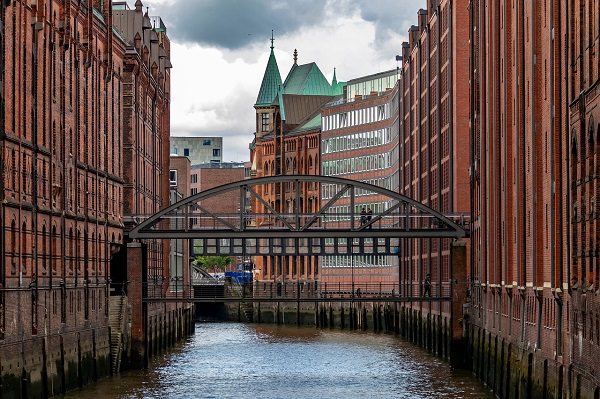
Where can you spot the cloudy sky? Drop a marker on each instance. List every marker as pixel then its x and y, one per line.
pixel 219 51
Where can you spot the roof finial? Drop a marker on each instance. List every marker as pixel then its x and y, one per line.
pixel 334 80
pixel 272 39
pixel 295 57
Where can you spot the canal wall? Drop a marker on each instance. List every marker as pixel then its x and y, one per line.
pixel 52 365
pixel 419 326
pixel 526 342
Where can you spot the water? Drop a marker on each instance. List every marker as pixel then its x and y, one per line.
pixel 229 360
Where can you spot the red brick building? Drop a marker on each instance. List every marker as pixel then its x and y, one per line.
pixel 434 137
pixel 288 126
pixel 84 102
pixel 521 190
pixel 581 147
pixel 62 70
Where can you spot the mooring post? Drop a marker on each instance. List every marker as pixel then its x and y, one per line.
pixel 458 287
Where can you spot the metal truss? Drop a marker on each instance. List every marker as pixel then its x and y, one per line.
pixel 284 226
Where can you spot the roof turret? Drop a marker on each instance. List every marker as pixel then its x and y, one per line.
pixel 271 80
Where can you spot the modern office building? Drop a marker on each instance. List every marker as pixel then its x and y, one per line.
pixel 198 149
pixel 359 141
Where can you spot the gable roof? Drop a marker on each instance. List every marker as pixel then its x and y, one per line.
pixel 270 83
pixel 306 79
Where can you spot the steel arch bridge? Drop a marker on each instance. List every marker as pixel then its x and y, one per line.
pixel 248 218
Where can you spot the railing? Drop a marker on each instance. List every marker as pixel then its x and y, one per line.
pixel 268 221
pixel 303 291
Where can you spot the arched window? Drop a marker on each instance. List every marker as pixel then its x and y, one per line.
pixel 573 142
pixel 310 162
pixel 266 171
pixel 591 133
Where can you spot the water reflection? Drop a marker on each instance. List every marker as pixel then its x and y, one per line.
pixel 239 361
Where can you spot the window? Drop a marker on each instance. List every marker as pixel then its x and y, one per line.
pixel 175 150
pixel 173 178
pixel 216 152
pixel 186 152
pixel 206 142
pixel 264 122
pixel 195 178
pixel 194 191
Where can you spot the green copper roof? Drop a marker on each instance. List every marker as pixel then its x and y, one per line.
pixel 270 83
pixel 307 80
pixel 311 124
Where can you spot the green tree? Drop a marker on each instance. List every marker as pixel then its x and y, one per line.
pixel 214 263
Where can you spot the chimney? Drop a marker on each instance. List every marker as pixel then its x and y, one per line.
pixel 422 16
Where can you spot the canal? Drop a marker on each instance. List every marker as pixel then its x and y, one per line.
pixel 231 360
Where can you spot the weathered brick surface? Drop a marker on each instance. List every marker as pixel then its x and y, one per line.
pixel 534 66
pixel 62 144
pixel 434 134
pixel 287 154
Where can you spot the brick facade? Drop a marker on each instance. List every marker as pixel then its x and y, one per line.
pixel 434 137
pixel 61 183
pixel 61 180
pixel 80 109
pixel 583 156
pixel 520 187
pixel 285 154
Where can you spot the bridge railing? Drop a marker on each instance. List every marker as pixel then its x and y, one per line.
pixel 299 290
pixel 195 220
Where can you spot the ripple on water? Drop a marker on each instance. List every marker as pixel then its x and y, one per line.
pixel 230 360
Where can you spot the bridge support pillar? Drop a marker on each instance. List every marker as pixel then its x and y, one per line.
pixel 139 353
pixel 459 282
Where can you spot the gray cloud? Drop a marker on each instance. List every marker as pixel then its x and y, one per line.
pixel 390 16
pixel 234 24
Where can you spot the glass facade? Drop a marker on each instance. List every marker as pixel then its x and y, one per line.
pixel 366 87
pixel 343 133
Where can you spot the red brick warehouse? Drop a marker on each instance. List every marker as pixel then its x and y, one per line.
pixel 84 103
pixel 434 138
pixel 520 187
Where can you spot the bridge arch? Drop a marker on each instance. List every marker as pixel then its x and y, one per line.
pixel 401 216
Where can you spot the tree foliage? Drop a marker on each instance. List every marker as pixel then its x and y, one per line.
pixel 216 263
